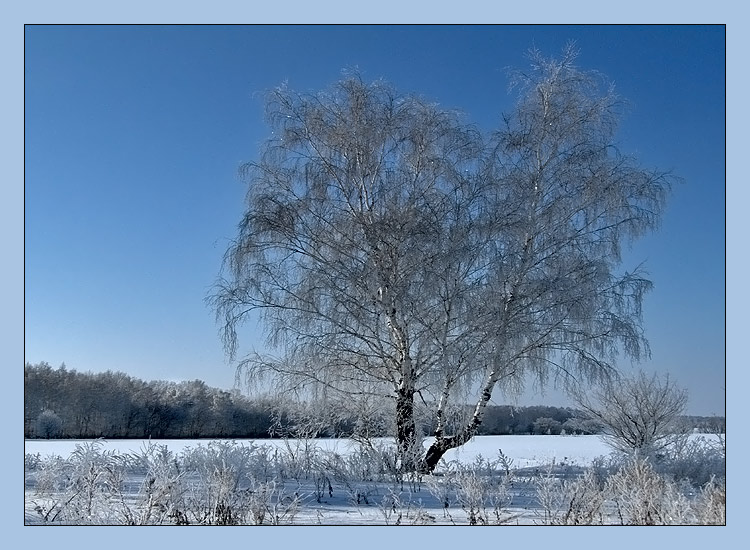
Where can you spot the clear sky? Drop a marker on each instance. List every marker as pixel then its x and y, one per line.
pixel 134 136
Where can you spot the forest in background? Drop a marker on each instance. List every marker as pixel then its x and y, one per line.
pixel 64 403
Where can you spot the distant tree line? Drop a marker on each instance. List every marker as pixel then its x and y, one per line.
pixel 536 420
pixel 64 403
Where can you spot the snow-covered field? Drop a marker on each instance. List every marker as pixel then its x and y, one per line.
pixel 326 488
pixel 525 450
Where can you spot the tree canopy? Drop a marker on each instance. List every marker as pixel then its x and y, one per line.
pixel 395 251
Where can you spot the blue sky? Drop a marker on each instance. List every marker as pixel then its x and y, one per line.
pixel 134 136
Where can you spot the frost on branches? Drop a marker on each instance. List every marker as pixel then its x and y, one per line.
pixel 398 255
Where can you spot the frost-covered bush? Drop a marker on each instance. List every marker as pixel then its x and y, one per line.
pixel 297 460
pixel 225 459
pixel 643 497
pixel 256 502
pixel 223 483
pixel 87 488
pixel 399 508
pixel 31 462
pixel 604 466
pixel 230 485
pixel 481 489
pixel 639 413
pixel 350 473
pixel 710 506
pixel 374 461
pixel 161 495
pixel 357 472
pixel 227 483
pixel 48 424
pixel 634 493
pixel 571 501
pixel 698 460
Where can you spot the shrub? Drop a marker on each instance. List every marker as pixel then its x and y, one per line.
pixel 697 460
pixel 482 489
pixel 161 496
pixel 639 413
pixel 87 488
pixel 571 502
pixel 48 424
pixel 634 493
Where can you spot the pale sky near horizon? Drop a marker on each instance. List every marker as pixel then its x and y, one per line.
pixel 134 136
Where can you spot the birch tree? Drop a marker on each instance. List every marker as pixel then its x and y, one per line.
pixel 393 250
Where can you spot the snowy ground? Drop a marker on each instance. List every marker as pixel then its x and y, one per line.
pixel 408 502
pixel 525 450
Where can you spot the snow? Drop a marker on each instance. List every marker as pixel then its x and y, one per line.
pixel 525 450
pixel 533 450
pixel 383 503
pixel 415 503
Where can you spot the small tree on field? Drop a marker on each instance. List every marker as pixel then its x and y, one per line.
pixel 48 424
pixel 638 413
pixel 393 251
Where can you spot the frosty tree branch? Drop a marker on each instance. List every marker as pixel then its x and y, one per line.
pixel 388 243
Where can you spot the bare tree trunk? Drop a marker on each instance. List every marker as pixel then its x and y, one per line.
pixel 406 432
pixel 444 444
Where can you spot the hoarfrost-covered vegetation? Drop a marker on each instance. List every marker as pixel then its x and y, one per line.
pixel 534 480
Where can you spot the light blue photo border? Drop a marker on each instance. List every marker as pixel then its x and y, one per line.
pixel 384 11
